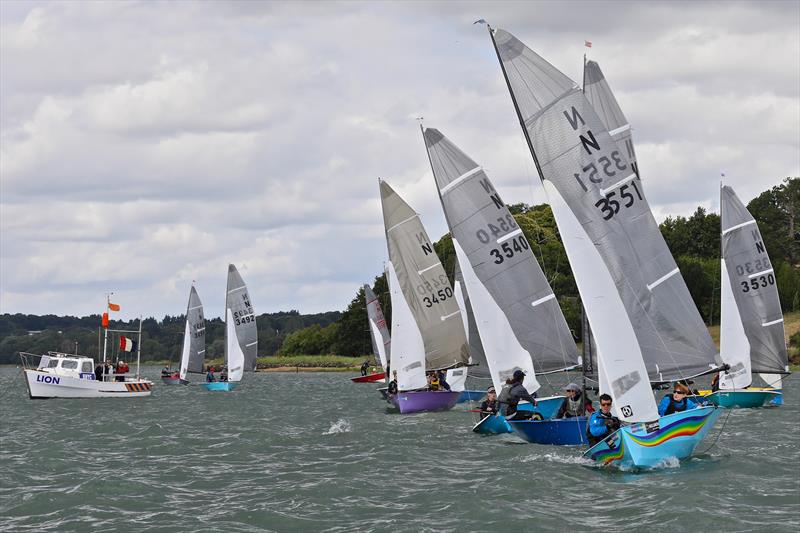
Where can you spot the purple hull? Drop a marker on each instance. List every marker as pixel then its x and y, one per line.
pixel 420 401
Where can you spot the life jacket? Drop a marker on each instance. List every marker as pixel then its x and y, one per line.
pixel 594 440
pixel 575 407
pixel 675 406
pixel 434 384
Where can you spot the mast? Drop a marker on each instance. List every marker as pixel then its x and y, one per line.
pixel 139 348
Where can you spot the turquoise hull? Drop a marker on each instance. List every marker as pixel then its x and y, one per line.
pixel 492 425
pixel 220 385
pixel 649 445
pixel 745 398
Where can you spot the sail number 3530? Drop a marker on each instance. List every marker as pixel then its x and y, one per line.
pixel 756 283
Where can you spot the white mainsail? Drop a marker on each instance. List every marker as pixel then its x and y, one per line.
pixel 408 354
pixel 644 320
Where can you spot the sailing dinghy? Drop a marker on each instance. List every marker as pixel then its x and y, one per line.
pixel 241 335
pixel 427 331
pixel 645 324
pixel 379 336
pixel 194 339
pixel 520 323
pixel 751 322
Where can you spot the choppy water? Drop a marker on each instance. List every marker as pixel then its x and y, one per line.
pixel 314 452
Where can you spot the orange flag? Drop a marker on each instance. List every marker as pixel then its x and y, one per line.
pixel 113 307
pixel 105 320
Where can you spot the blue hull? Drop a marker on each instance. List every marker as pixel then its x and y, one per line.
pixel 492 425
pixel 745 399
pixel 471 396
pixel 547 407
pixel 220 385
pixel 559 432
pixel 649 445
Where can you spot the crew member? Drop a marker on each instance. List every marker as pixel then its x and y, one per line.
pixel 676 402
pixel 602 423
pixel 573 404
pixel 489 406
pixel 516 393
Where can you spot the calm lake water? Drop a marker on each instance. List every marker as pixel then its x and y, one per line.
pixel 314 452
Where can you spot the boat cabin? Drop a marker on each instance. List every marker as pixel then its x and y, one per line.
pixel 72 366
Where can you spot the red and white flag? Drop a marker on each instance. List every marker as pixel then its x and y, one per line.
pixel 587 44
pixel 127 344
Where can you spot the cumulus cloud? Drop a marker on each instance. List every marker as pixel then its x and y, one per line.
pixel 144 145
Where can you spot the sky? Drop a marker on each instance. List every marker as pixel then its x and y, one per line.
pixel 146 145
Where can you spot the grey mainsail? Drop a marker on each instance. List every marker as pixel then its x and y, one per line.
pixel 751 279
pixel 500 255
pixel 194 341
pixel 424 284
pixel 239 309
pixel 379 332
pixel 581 164
pixel 599 94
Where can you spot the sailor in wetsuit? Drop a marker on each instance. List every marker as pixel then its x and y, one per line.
pixel 602 423
pixel 676 402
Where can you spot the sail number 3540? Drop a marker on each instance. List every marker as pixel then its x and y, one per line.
pixel 508 249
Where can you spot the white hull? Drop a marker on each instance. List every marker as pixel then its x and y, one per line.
pixel 46 385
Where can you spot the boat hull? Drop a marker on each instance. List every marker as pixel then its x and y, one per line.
pixel 471 396
pixel 648 445
pixel 745 398
pixel 424 401
pixel 547 407
pixel 220 385
pixel 46 385
pixel 370 378
pixel 171 380
pixel 492 425
pixel 559 432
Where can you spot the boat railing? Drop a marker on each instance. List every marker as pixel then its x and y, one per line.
pixel 30 360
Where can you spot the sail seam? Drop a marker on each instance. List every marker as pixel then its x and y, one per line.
pixel 459 179
pixel 507 236
pixel 737 226
pixel 401 223
pixel 767 271
pixel 662 279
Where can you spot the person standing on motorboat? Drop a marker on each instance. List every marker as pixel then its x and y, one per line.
pixel 490 405
pixel 574 403
pixel 676 402
pixel 98 372
pixel 515 393
pixel 602 423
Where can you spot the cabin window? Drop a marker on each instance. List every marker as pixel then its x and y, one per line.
pixel 69 365
pixel 52 363
pixel 87 367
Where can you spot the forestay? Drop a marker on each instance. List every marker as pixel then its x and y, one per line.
pixel 580 163
pixel 194 337
pixel 521 312
pixel 379 333
pixel 599 94
pixel 241 333
pixel 424 284
pixel 752 333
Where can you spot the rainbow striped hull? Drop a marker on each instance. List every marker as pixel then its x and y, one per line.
pixel 648 445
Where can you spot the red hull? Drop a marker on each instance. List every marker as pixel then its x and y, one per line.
pixel 371 378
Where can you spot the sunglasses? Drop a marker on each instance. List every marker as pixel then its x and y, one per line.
pixel 680 392
pixel 605 404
